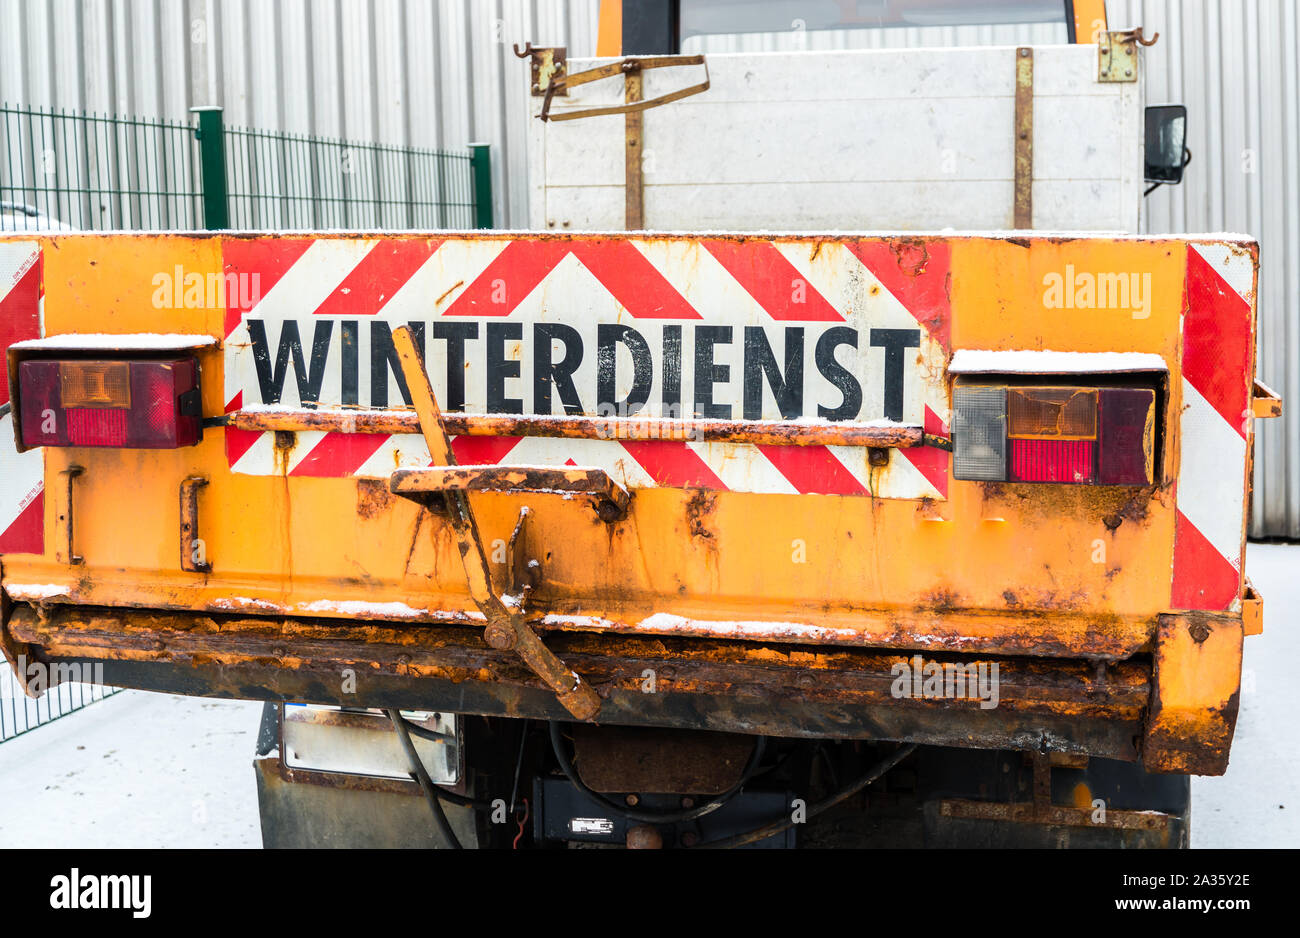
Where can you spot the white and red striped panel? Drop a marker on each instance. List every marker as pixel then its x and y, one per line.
pixel 1218 345
pixel 653 285
pixel 22 500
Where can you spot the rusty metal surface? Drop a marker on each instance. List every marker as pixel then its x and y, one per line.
pixel 611 498
pixel 506 628
pixel 1054 815
pixel 731 686
pixel 654 760
pixel 1024 142
pixel 65 517
pixel 633 150
pixel 1117 56
pixel 190 543
pixel 547 65
pixel 632 65
pixel 637 429
pixel 1193 710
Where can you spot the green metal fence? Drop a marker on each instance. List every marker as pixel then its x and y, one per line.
pixel 101 172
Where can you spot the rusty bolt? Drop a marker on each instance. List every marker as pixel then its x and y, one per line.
pixel 158 645
pixel 804 680
pixel 278 651
pixel 403 660
pixel 1199 632
pixel 667 674
pixel 644 837
pixel 878 455
pixel 632 800
pixel 690 839
pixel 499 637
pixel 688 802
pixel 608 511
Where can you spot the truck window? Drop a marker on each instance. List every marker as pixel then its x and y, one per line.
pixel 793 25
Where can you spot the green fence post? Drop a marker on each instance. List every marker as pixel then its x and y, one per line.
pixel 481 164
pixel 212 158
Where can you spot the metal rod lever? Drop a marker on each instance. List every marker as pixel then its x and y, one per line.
pixel 505 624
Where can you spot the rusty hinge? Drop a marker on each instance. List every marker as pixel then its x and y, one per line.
pixel 1117 55
pixel 506 628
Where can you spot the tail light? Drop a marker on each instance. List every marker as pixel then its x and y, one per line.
pixel 126 404
pixel 1059 434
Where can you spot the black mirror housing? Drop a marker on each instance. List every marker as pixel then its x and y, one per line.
pixel 1166 143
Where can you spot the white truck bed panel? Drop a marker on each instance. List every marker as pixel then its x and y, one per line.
pixel 870 139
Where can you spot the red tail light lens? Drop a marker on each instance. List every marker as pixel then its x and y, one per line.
pixel 1069 461
pixel 130 405
pixel 1060 434
pixel 87 427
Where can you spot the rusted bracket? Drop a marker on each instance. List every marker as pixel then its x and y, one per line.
pixel 549 64
pixel 193 550
pixel 1265 403
pixel 1024 139
pixel 632 66
pixel 1117 56
pixel 70 556
pixel 608 497
pixel 506 628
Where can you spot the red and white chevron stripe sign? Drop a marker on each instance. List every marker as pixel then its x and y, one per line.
pixel 1218 346
pixel 22 500
pixel 661 327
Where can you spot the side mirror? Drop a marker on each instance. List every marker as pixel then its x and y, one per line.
pixel 1166 143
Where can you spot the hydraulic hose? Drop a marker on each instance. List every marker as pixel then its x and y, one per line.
pixel 422 777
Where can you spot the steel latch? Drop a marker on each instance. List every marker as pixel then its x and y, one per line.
pixel 506 628
pixel 1265 403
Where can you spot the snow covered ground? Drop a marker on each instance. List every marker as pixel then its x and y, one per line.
pixel 1257 803
pixel 148 770
pixel 134 770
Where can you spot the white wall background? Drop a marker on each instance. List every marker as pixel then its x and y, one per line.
pixel 441 73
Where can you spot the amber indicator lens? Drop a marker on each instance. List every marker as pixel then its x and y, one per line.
pixel 95 384
pixel 1052 413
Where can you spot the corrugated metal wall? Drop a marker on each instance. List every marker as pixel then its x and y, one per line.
pixel 435 73
pixel 1236 65
pixel 441 73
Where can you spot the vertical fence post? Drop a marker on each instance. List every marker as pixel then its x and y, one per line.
pixel 212 158
pixel 481 164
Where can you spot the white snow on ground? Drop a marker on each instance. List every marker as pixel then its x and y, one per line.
pixel 153 770
pixel 134 770
pixel 1257 803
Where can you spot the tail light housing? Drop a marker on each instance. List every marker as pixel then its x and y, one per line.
pixel 149 403
pixel 1062 434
